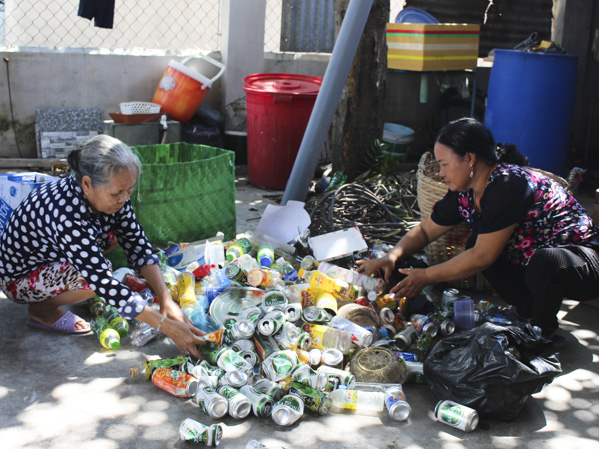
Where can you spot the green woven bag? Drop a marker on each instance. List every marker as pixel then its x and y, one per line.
pixel 186 192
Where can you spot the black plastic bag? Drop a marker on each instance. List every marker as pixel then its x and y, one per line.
pixel 479 368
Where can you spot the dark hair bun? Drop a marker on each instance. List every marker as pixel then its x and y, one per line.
pixel 509 154
pixel 73 159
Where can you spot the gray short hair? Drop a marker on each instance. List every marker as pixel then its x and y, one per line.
pixel 100 158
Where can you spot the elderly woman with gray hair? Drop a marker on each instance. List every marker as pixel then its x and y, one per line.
pixel 51 250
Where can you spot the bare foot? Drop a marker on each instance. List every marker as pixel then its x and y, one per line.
pixel 49 315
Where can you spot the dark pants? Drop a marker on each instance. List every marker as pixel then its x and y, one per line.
pixel 537 289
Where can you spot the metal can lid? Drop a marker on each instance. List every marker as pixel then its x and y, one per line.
pixel 236 378
pixel 240 408
pixel 245 328
pixel 217 407
pixel 315 356
pixel 400 411
pixel 264 407
pixel 332 357
pixel 282 416
pixel 215 434
pixel 451 292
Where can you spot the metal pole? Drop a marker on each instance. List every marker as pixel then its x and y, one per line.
pixel 327 100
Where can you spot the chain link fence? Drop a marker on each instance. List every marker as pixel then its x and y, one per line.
pixel 170 25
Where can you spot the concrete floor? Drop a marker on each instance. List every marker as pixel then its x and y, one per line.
pixel 63 392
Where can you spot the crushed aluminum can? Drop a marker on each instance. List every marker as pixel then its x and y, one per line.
pixel 211 402
pixel 332 357
pixel 251 313
pixel 191 430
pixel 293 312
pixel 307 376
pixel 288 336
pixel 261 402
pixel 267 386
pixel 239 405
pixel 243 330
pixel 234 379
pixel 316 315
pixel 271 323
pixel 279 365
pixel 288 410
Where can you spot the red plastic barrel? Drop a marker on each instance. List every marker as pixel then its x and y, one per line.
pixel 278 109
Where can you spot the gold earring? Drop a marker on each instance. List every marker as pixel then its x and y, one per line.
pixel 471 171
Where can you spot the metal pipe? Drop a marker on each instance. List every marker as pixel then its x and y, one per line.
pixel 327 100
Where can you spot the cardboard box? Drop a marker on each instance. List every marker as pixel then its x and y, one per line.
pixel 429 47
pixel 14 188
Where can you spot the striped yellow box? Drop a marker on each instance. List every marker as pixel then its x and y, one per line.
pixel 424 47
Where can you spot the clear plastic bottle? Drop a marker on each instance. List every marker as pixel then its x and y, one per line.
pixel 287 271
pixel 325 337
pixel 143 334
pixel 247 262
pixel 358 400
pixel 352 277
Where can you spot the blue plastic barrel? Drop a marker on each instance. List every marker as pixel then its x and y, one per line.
pixel 530 103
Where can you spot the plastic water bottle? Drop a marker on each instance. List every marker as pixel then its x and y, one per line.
pixel 325 337
pixel 143 334
pixel 358 400
pixel 287 271
pixel 266 255
pixel 247 262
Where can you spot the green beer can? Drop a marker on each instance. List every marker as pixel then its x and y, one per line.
pixel 191 430
pixel 457 415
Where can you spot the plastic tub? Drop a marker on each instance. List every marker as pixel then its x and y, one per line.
pixel 279 106
pixel 399 138
pixel 463 311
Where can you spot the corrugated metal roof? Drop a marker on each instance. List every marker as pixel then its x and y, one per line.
pixel 508 22
pixel 308 26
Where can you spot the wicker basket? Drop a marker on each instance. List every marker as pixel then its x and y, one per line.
pixel 430 190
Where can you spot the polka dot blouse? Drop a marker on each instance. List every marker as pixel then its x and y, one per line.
pixel 56 223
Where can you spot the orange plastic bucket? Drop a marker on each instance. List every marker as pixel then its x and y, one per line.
pixel 181 89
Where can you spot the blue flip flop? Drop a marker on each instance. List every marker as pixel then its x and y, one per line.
pixel 65 323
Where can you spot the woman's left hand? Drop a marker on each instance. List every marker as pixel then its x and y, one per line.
pixel 171 309
pixel 415 280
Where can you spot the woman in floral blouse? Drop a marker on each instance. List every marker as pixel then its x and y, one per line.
pixel 531 239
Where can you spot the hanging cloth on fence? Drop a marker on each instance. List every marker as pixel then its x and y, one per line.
pixel 101 10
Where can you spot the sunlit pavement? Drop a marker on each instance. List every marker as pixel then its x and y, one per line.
pixel 62 392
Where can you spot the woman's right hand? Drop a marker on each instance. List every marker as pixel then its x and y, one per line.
pixel 185 336
pixel 370 266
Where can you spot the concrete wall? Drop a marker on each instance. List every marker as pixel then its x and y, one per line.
pixel 75 79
